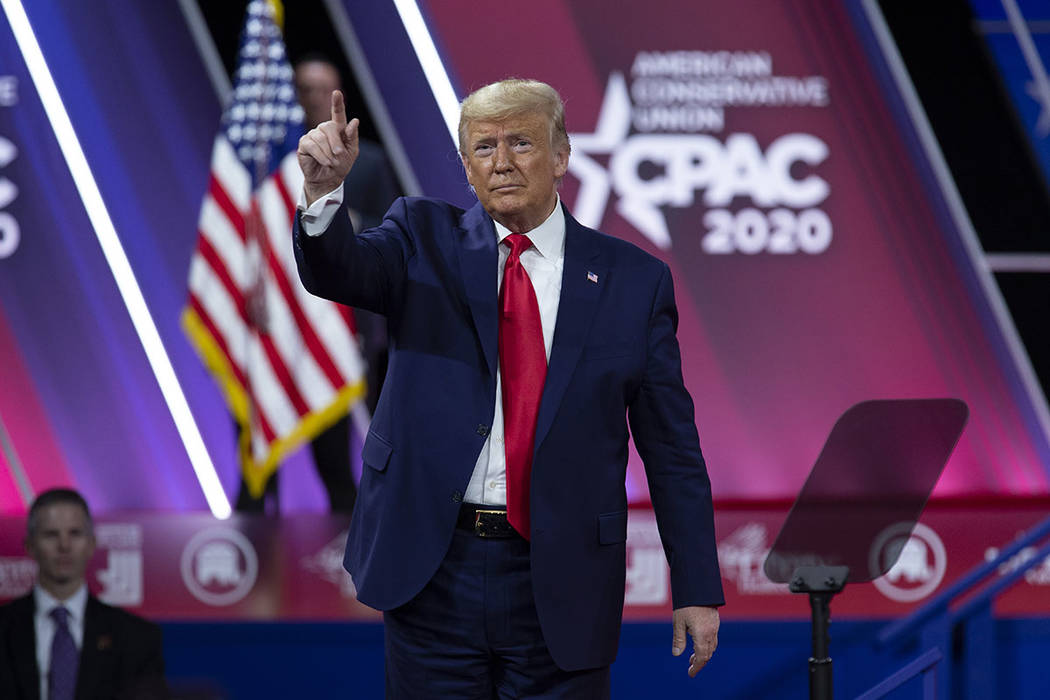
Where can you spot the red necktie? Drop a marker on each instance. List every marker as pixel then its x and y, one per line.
pixel 523 368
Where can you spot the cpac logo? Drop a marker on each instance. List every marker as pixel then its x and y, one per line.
pixel 742 555
pixel 686 164
pixel 920 561
pixel 647 573
pixel 122 579
pixel 219 566
pixel 328 563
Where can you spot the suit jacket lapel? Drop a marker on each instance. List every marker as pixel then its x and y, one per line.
pixel 94 632
pixel 24 647
pixel 583 275
pixel 478 262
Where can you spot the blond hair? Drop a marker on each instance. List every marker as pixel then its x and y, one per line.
pixel 514 96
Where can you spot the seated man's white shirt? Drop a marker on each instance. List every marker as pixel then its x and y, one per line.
pixel 44 626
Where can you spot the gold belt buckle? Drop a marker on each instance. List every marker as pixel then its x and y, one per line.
pixel 477 520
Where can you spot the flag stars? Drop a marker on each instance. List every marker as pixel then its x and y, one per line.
pixel 264 109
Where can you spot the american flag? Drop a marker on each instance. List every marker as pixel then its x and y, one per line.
pixel 287 361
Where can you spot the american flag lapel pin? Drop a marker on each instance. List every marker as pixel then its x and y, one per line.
pixel 592 277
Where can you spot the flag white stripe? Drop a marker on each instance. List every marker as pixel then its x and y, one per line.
pixel 231 173
pixel 268 391
pixel 243 346
pixel 292 176
pixel 323 316
pixel 259 446
pixel 220 308
pixel 314 386
pixel 228 245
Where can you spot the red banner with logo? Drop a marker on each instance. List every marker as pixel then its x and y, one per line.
pixel 182 567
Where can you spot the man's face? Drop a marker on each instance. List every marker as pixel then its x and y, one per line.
pixel 61 544
pixel 515 169
pixel 315 81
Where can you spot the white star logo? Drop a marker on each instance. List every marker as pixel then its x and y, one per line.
pixel 614 124
pixel 1039 90
pixel 651 170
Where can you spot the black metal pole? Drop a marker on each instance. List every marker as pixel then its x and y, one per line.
pixel 820 687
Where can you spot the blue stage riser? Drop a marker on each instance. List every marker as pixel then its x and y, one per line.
pixel 754 660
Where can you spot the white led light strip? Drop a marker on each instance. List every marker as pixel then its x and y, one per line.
pixel 116 258
pixel 433 69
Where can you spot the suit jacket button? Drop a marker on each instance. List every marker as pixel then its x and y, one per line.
pixel 457 496
pixel 483 430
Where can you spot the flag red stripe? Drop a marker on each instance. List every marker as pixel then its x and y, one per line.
pixel 317 348
pixel 280 369
pixel 348 316
pixel 217 337
pixel 286 197
pixel 282 187
pixel 222 199
pixel 218 266
pixel 213 331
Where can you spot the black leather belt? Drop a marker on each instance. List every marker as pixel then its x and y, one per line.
pixel 485 521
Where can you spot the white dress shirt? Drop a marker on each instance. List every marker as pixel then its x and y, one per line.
pixel 44 627
pixel 543 262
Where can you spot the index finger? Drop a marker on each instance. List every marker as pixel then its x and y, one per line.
pixel 338 109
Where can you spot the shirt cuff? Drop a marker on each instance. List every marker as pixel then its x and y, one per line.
pixel 316 218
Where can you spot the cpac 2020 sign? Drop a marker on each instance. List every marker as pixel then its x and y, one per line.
pixel 673 99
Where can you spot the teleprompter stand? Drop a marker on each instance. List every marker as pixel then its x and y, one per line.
pixel 821 583
pixel 859 504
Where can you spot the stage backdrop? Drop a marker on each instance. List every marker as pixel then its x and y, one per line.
pixel 769 152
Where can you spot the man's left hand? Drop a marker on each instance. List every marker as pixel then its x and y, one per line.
pixel 701 622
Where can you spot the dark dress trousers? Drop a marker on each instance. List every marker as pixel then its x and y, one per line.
pixel 120 657
pixel 431 269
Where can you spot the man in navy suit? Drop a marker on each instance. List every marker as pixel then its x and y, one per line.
pixel 491 518
pixel 59 642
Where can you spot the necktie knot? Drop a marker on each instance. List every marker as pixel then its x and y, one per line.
pixel 60 615
pixel 518 244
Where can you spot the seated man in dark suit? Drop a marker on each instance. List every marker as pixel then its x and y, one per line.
pixel 59 642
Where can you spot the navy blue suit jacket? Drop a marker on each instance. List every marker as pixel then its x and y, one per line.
pixel 431 269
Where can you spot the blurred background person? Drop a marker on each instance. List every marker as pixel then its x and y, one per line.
pixel 371 187
pixel 60 642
